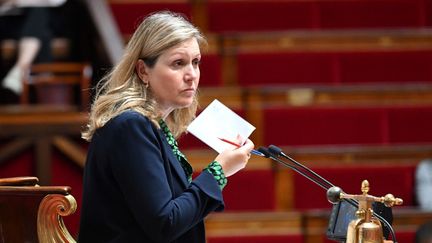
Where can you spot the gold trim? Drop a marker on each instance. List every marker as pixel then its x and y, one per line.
pixel 50 225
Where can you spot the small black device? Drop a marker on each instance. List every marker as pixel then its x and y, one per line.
pixel 343 213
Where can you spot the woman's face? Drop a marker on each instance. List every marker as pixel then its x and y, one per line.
pixel 174 78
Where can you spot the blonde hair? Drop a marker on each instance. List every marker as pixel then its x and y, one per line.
pixel 122 89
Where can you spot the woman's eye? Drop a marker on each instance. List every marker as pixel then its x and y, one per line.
pixel 178 63
pixel 196 62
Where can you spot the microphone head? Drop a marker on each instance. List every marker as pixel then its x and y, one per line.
pixel 264 151
pixel 275 150
pixel 334 194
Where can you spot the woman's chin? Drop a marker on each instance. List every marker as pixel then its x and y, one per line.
pixel 185 103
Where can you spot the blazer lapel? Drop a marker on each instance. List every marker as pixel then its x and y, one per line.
pixel 175 164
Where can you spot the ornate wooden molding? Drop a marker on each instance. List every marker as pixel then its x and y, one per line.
pixel 51 227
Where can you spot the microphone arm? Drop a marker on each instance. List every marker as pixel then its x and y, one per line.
pixel 270 155
pixel 333 193
pixel 278 152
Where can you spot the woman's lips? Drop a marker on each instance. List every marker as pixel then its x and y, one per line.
pixel 190 91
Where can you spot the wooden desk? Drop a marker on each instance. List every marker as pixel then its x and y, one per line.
pixel 253 224
pixel 43 127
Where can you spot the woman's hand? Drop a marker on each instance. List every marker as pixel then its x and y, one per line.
pixel 234 160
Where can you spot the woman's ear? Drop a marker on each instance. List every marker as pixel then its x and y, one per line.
pixel 141 70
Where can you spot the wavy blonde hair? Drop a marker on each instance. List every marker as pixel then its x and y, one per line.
pixel 121 89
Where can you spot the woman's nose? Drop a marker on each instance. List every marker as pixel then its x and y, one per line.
pixel 192 72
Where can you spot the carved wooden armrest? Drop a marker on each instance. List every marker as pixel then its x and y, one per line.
pixel 34 213
pixel 50 225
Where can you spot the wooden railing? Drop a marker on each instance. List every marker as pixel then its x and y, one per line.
pixel 42 127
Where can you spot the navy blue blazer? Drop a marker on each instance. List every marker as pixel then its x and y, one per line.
pixel 135 189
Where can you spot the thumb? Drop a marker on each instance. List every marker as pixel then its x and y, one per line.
pixel 248 146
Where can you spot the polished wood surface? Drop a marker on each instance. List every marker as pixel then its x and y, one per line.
pixel 254 223
pixel 19 181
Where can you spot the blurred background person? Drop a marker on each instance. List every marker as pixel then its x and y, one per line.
pixel 28 21
pixel 423 177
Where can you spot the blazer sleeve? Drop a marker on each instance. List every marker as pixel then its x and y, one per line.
pixel 138 167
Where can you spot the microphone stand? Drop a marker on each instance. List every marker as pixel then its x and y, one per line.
pixel 273 152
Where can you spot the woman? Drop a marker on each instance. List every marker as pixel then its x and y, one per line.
pixel 137 184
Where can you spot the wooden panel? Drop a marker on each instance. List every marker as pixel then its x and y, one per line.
pixel 329 40
pixel 349 95
pixel 232 97
pixel 324 156
pixel 253 223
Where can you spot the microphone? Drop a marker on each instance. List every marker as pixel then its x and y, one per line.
pixel 333 193
pixel 270 155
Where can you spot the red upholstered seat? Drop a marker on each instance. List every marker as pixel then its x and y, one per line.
pixel 189 141
pixel 211 70
pixel 226 16
pixel 405 236
pixel 372 13
pixel 334 68
pixel 385 66
pixel 285 68
pixel 129 14
pixel 323 125
pixel 347 125
pixel 253 15
pixel 18 166
pixel 250 190
pixel 410 124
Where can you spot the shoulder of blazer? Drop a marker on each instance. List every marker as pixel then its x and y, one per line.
pixel 138 119
pixel 130 121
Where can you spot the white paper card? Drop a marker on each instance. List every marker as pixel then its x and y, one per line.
pixel 216 123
